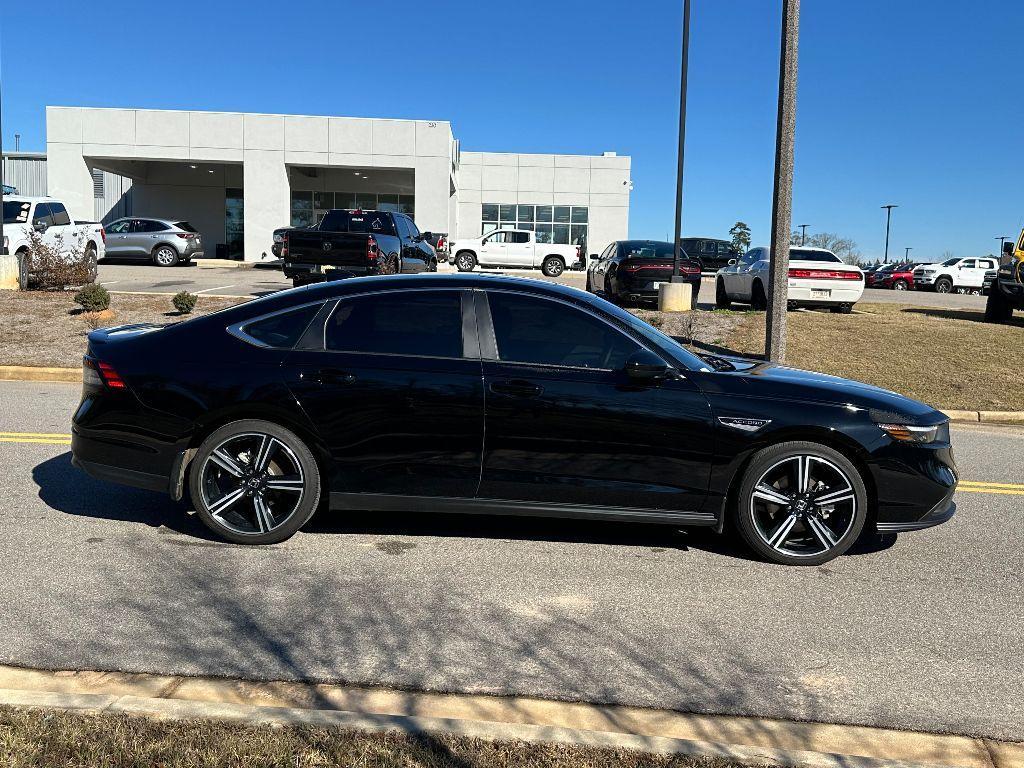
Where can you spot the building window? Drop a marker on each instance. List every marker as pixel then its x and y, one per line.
pixel 562 224
pixel 97 183
pixel 309 207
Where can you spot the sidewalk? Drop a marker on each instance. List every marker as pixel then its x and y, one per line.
pixel 748 740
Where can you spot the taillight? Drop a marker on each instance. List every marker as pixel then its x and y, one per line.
pixel 824 274
pixel 371 248
pixel 284 246
pixel 97 373
pixel 103 235
pixel 185 235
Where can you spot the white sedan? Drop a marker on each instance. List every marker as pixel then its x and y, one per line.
pixel 817 278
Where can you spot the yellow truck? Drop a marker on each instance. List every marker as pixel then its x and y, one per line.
pixel 1006 285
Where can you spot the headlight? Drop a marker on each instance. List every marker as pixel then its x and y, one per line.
pixel 907 433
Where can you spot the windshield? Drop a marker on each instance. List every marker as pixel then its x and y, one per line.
pixel 950 262
pixel 16 211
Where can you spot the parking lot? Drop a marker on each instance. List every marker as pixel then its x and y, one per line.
pixel 916 631
pixel 225 281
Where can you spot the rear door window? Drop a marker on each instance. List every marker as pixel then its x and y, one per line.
pixel 413 323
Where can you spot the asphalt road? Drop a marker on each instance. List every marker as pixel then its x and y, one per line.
pixel 920 631
pixel 146 278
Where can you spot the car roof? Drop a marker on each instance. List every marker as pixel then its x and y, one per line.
pixel 30 198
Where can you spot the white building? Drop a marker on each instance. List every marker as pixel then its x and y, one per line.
pixel 236 177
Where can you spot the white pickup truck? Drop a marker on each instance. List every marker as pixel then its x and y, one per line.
pixel 516 248
pixel 960 275
pixel 50 219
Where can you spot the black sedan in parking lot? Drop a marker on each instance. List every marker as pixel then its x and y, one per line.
pixel 489 394
pixel 631 271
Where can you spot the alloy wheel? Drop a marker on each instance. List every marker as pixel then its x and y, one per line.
pixel 465 263
pixel 166 257
pixel 803 506
pixel 252 483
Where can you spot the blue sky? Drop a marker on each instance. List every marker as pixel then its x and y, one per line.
pixel 919 104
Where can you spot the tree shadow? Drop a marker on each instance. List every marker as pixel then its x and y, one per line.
pixel 974 316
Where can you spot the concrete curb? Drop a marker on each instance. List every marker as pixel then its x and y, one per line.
pixel 179 709
pixel 34 373
pixel 223 264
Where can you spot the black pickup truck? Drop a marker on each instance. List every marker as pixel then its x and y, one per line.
pixel 347 243
pixel 1006 285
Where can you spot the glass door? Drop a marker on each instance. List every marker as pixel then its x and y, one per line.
pixel 234 233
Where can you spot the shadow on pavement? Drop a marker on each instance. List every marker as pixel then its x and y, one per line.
pixel 974 316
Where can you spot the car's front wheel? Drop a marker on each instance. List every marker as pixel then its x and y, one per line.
pixel 943 285
pixel 801 503
pixel 254 482
pixel 722 300
pixel 900 285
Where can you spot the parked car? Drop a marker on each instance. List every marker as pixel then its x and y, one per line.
pixel 369 394
pixel 165 242
pixel 817 278
pixel 710 253
pixel 356 242
pixel 279 235
pixel 963 275
pixel 899 277
pixel 1006 286
pixel 877 274
pixel 439 241
pixel 49 218
pixel 633 271
pixel 517 248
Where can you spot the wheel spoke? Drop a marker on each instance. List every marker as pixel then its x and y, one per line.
pixel 803 474
pixel 222 459
pixel 285 484
pixel 767 493
pixel 226 501
pixel 834 497
pixel 778 538
pixel 267 447
pixel 821 531
pixel 264 518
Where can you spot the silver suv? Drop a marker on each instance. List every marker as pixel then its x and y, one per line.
pixel 165 242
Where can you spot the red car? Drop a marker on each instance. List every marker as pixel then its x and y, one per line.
pixel 899 278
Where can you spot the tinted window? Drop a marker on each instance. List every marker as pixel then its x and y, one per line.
pixel 427 323
pixel 370 222
pixel 119 227
pixel 402 224
pixel 545 332
pixel 16 211
pixel 60 214
pixel 968 264
pixel 648 249
pixel 807 255
pixel 42 213
pixel 518 237
pixel 283 330
pixel 184 225
pixel 148 225
pixel 414 231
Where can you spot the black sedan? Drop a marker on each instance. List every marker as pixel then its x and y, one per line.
pixel 489 394
pixel 631 271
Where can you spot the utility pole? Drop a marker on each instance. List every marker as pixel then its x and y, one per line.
pixel 678 250
pixel 2 164
pixel 782 198
pixel 803 233
pixel 888 220
pixel 1002 239
pixel 906 253
pixel 17 142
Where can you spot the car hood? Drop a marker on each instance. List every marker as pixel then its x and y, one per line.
pixel 759 379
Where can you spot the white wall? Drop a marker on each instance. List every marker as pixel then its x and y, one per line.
pixel 598 182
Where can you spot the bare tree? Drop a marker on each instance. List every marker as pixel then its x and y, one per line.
pixel 843 247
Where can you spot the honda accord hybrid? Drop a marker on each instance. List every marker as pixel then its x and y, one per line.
pixel 489 394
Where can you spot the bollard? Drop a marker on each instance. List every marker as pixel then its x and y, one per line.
pixel 675 297
pixel 9 279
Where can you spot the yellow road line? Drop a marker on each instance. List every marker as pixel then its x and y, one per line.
pixel 52 435
pixel 977 484
pixel 1004 491
pixel 34 440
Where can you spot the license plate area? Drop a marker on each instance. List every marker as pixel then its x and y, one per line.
pixel 821 293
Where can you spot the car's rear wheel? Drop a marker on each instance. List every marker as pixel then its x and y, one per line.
pixel 254 482
pixel 900 285
pixel 943 285
pixel 758 300
pixel 801 503
pixel 553 266
pixel 432 266
pixel 165 256
pixel 465 262
pixel 997 308
pixel 722 300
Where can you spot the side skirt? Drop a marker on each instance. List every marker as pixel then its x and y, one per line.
pixel 376 502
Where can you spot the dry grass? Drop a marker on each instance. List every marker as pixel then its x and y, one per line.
pixel 947 358
pixel 50 329
pixel 52 739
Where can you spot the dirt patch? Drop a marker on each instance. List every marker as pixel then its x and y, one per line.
pixel 49 329
pixel 947 358
pixel 704 330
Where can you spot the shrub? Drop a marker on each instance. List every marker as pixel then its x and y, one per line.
pixel 184 302
pixel 93 298
pixel 50 269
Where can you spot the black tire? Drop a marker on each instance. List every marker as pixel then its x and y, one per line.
pixel 758 300
pixel 165 256
pixel 552 266
pixel 296 283
pixel 465 261
pixel 842 309
pixel 432 266
pixel 722 300
pixel 943 285
pixel 240 521
pixel 900 285
pixel 997 308
pixel 804 542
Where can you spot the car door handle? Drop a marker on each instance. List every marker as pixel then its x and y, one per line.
pixel 516 388
pixel 328 376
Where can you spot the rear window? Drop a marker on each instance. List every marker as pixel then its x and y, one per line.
pixel 367 222
pixel 648 250
pixel 184 225
pixel 282 330
pixel 802 254
pixel 16 211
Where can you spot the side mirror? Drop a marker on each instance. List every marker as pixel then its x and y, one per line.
pixel 646 366
pixel 1009 247
pixel 39 226
pixel 426 236
pixel 732 262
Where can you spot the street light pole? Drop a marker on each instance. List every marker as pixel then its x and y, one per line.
pixel 782 198
pixel 677 260
pixel 888 220
pixel 803 233
pixel 1002 239
pixel 906 253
